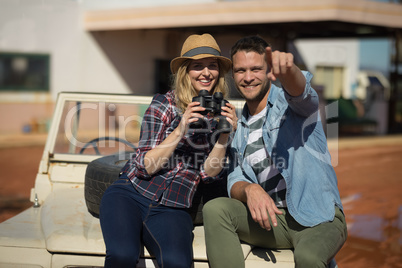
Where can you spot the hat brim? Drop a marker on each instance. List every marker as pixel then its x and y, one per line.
pixel 224 62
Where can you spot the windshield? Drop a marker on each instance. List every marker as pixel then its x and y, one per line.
pixel 98 128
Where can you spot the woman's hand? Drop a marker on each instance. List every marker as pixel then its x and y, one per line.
pixel 217 157
pixel 230 112
pixel 191 114
pixel 156 158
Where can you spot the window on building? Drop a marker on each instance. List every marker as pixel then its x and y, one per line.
pixel 24 72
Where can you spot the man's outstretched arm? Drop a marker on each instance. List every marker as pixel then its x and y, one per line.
pixel 282 67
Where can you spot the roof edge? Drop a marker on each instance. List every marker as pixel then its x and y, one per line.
pixel 245 12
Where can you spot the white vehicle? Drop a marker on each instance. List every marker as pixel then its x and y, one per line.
pixel 61 228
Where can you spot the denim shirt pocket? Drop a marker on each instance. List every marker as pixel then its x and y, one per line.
pixel 272 125
pixel 277 114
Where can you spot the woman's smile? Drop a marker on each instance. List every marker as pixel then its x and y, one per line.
pixel 204 73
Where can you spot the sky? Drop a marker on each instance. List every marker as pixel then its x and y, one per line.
pixel 375 54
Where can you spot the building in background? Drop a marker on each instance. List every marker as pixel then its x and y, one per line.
pixel 125 46
pixel 362 94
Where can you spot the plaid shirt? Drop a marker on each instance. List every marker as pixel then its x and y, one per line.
pixel 175 184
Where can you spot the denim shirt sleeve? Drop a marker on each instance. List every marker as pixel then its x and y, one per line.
pixel 307 103
pixel 237 169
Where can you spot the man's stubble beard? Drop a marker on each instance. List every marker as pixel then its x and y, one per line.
pixel 260 96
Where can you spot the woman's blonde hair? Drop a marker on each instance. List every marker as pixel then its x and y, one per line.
pixel 185 92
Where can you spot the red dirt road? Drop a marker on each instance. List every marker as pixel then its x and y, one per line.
pixel 18 168
pixel 370 183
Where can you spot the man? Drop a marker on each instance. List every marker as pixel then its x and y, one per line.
pixel 282 185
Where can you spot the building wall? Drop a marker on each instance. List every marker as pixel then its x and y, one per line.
pixel 25 118
pixel 55 27
pixel 338 53
pixel 115 61
pixel 132 55
pixel 77 62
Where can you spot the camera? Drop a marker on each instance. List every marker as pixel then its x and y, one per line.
pixel 212 105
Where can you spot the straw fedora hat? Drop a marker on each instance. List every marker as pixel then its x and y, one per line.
pixel 197 47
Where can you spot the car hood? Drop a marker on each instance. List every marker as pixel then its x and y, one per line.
pixel 63 225
pixel 67 225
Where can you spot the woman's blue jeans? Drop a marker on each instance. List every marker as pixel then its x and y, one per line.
pixel 128 219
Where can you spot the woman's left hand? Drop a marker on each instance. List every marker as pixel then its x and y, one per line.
pixel 230 112
pixel 218 153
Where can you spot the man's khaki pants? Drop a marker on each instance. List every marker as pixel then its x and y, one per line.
pixel 228 221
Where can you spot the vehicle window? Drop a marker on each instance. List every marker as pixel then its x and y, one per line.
pixel 99 127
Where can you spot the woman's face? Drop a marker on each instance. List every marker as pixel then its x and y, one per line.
pixel 204 73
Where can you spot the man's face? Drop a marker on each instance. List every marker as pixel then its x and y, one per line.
pixel 250 75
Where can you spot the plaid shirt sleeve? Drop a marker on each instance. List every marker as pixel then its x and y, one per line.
pixel 174 185
pixel 224 172
pixel 156 119
pixel 207 179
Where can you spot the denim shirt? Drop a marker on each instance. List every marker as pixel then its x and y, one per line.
pixel 294 137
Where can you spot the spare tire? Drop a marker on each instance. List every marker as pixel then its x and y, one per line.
pixel 99 174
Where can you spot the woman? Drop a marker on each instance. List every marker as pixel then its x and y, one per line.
pixel 148 203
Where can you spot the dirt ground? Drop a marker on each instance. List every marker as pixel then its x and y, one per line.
pixel 370 183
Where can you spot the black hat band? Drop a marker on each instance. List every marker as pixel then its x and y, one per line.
pixel 201 50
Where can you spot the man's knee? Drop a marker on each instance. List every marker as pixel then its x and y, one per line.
pixel 305 258
pixel 215 208
pixel 215 205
